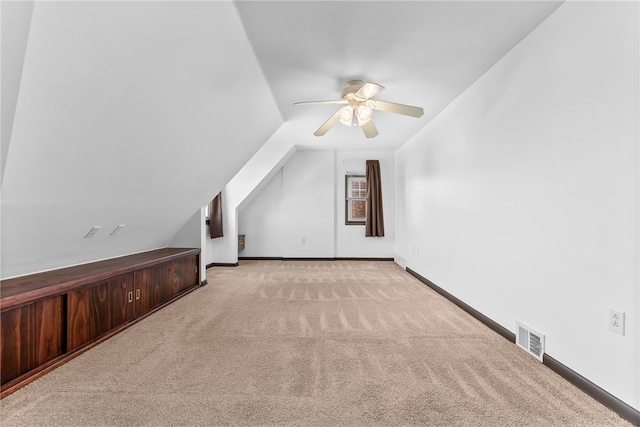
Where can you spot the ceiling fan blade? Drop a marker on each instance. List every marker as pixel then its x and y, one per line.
pixel 369 129
pixel 369 90
pixel 392 107
pixel 337 101
pixel 328 124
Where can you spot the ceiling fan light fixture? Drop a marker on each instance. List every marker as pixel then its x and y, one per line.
pixel 346 116
pixel 364 113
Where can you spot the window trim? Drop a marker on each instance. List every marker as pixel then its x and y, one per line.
pixel 348 199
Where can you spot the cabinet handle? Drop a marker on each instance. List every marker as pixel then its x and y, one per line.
pixel 137 294
pixel 130 296
pixel 196 269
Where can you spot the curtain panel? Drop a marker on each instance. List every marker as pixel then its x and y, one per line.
pixel 215 217
pixel 374 224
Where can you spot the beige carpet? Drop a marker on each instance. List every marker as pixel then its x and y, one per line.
pixel 306 343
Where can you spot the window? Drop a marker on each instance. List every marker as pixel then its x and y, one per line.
pixel 356 199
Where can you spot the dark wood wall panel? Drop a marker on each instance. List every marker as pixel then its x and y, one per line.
pixel 32 335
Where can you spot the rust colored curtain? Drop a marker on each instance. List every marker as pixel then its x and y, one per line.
pixel 374 224
pixel 215 217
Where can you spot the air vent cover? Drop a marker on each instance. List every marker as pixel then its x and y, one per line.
pixel 400 261
pixel 530 340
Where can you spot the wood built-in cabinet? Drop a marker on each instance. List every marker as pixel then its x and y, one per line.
pixel 97 309
pixel 32 335
pixel 48 318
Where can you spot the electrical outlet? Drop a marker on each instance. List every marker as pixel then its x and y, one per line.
pixel 304 240
pixel 616 321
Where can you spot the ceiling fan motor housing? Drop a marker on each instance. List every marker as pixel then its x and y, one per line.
pixel 351 87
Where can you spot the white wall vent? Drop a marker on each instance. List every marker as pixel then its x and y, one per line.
pixel 400 261
pixel 530 340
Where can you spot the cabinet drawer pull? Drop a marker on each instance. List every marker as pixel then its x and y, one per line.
pixel 137 294
pixel 130 296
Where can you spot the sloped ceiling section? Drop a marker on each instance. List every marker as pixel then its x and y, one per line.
pixel 14 32
pixel 133 113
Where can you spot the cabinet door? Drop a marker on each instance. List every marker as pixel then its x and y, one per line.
pixel 31 336
pixel 95 310
pixel 190 275
pixel 183 274
pixel 149 289
pixel 157 285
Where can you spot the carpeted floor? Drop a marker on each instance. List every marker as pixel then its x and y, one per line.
pixel 306 343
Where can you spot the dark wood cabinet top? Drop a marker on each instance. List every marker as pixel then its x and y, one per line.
pixel 20 290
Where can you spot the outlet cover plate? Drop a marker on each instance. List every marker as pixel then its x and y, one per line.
pixel 616 321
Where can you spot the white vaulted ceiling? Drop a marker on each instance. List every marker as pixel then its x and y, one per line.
pixel 138 113
pixel 425 53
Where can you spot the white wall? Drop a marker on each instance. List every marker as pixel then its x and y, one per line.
pixel 241 189
pixel 521 198
pixel 224 249
pixel 192 235
pixel 350 239
pixel 307 201
pixel 262 221
pixel 308 205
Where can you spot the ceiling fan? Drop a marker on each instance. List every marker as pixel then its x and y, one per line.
pixel 358 108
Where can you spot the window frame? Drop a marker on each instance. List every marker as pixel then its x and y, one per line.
pixel 348 199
